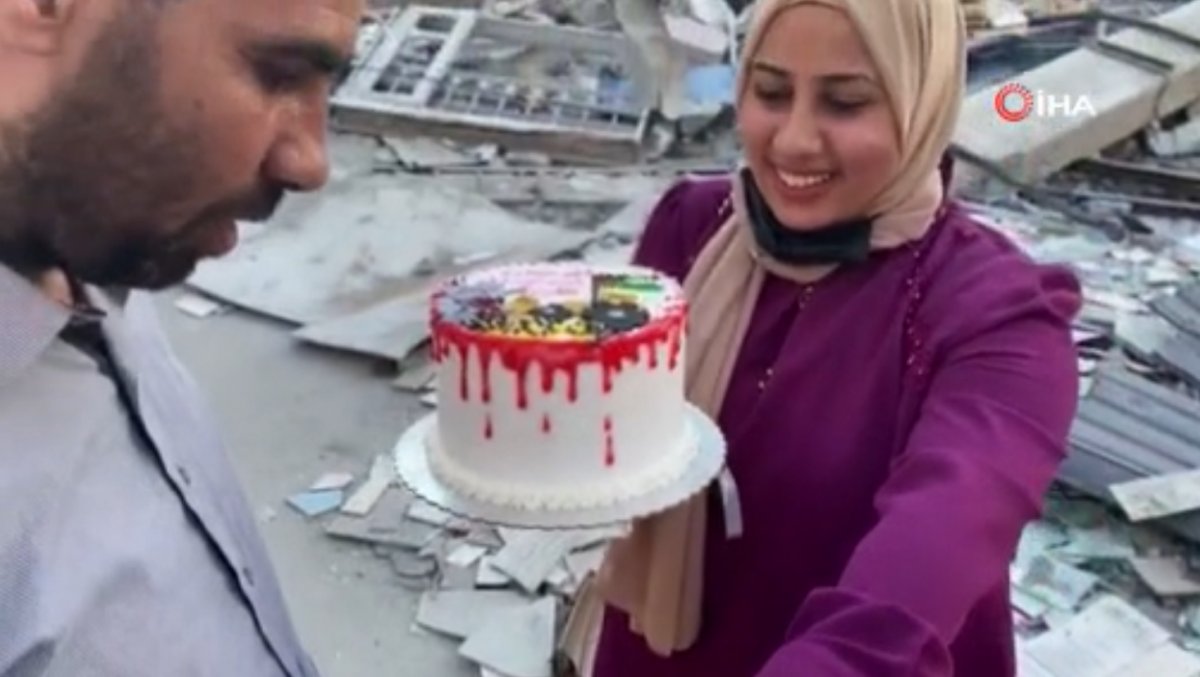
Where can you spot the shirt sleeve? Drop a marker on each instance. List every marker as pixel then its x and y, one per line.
pixel 988 441
pixel 679 225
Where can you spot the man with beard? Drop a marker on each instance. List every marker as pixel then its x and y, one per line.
pixel 133 133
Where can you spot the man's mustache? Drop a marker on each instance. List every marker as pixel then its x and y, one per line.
pixel 259 204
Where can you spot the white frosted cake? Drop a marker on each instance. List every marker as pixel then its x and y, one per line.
pixel 559 385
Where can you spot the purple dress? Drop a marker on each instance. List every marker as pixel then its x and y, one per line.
pixel 890 437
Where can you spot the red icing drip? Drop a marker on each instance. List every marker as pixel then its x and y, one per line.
pixel 463 389
pixel 487 427
pixel 486 359
pixel 522 385
pixel 546 423
pixel 610 456
pixel 572 385
pixel 519 354
pixel 675 345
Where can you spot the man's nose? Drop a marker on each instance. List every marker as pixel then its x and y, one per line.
pixel 300 157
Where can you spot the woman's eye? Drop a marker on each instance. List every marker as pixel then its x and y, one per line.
pixel 847 105
pixel 772 94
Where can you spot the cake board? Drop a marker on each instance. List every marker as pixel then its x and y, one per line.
pixel 412 468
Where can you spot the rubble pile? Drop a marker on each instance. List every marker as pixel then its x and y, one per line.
pixel 501 595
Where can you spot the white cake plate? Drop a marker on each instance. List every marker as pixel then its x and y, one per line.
pixel 412 467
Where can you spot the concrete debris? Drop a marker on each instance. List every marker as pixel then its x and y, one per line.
pixel 517 642
pixel 363 499
pixel 332 480
pixel 1088 119
pixel 569 92
pixel 504 594
pixel 315 503
pixel 198 306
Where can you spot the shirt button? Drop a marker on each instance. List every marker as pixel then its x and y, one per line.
pixel 248 576
pixel 183 475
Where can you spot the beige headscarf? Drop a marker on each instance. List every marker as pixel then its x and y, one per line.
pixel 918 46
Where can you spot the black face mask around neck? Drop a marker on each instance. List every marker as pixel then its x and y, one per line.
pixel 842 242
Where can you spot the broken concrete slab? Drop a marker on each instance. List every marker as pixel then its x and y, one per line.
pixel 381 476
pixel 416 376
pixel 332 480
pixel 459 613
pixel 529 557
pixel 1130 428
pixel 366 241
pixel 567 185
pixel 420 80
pixel 518 642
pixel 316 503
pixel 1126 100
pixel 488 576
pixel 391 329
pixel 385 524
pixel 1166 576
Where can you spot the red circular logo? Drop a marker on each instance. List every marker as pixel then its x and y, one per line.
pixel 1005 107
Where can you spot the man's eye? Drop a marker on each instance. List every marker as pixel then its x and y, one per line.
pixel 277 76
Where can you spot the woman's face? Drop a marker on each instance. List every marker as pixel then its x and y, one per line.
pixel 816 124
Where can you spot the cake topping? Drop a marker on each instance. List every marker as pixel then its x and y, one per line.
pixel 556 301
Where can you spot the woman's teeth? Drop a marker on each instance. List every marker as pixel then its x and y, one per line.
pixel 803 180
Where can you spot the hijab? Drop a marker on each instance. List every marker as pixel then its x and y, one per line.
pixel 918 47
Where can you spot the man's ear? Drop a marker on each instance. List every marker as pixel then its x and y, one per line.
pixel 34 25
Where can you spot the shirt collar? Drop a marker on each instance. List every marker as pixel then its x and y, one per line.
pixel 30 321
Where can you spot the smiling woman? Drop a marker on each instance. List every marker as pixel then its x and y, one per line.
pixel 819 133
pixel 895 381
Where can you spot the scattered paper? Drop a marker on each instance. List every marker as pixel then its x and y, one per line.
pixel 1099 642
pixel 1168 660
pixel 1159 496
pixel 1055 583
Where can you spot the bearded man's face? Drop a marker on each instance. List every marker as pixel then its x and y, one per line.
pixel 181 119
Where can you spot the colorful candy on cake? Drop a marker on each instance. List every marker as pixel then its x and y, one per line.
pixel 560 385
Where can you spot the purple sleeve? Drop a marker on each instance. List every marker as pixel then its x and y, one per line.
pixel 988 441
pixel 679 226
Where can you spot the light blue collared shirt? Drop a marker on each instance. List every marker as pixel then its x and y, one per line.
pixel 126 546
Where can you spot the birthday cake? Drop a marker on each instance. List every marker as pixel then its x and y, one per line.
pixel 559 385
